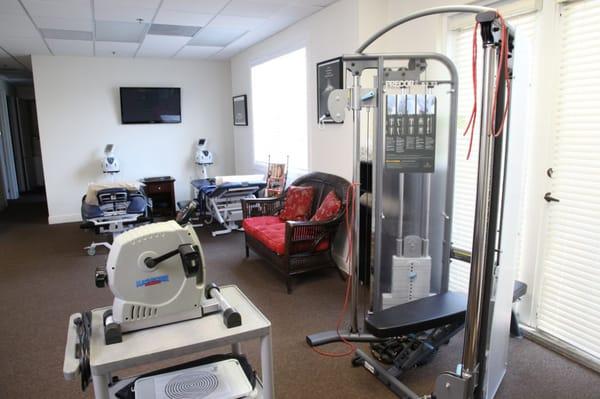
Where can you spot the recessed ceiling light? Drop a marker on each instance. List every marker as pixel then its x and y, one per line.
pixel 139 20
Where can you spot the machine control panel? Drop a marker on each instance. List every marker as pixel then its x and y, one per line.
pixel 410 132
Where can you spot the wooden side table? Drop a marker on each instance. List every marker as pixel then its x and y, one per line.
pixel 162 192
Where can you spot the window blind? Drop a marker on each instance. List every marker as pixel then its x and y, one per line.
pixel 568 306
pixel 465 178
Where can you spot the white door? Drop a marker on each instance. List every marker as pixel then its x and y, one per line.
pixel 568 307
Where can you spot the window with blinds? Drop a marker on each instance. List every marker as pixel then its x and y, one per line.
pixel 568 306
pixel 465 181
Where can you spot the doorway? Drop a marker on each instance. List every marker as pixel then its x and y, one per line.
pixel 22 187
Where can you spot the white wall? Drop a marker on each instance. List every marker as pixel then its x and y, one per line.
pixel 79 113
pixel 326 34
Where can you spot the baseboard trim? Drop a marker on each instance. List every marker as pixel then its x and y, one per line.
pixel 562 348
pixel 58 219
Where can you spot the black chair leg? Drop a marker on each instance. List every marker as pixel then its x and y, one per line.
pixel 247 252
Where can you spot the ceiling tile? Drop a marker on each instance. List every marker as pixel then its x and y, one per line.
pixel 252 8
pixel 174 17
pixel 130 32
pixel 64 23
pixel 120 49
pixel 24 46
pixel 11 8
pixel 216 36
pixel 297 12
pixel 194 6
pixel 66 34
pixel 161 46
pixel 125 10
pixel 17 26
pixel 71 47
pixel 59 8
pixel 227 21
pixel 199 52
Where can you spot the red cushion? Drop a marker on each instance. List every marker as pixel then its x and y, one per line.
pixel 252 224
pixel 329 208
pixel 272 236
pixel 298 203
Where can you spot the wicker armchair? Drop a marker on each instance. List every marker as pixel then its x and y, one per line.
pixel 307 244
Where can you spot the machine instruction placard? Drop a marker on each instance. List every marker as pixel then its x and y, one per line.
pixel 410 133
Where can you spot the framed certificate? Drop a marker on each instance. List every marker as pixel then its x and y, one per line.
pixel 329 77
pixel 240 110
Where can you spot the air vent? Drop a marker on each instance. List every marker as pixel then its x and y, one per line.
pixel 137 312
pixel 173 30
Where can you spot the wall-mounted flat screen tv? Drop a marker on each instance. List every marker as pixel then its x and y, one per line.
pixel 150 105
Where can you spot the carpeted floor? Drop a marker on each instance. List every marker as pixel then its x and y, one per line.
pixel 46 276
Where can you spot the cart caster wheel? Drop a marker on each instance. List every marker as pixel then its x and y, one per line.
pixel 91 251
pixel 357 361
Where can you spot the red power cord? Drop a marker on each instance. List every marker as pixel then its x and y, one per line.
pixel 349 218
pixel 502 67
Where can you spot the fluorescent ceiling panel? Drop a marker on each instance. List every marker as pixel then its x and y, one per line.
pixel 252 8
pixel 59 8
pixel 194 6
pixel 198 52
pixel 129 32
pixel 161 46
pixel 70 47
pixel 173 30
pixel 84 24
pixel 66 34
pixel 120 49
pixel 175 17
pixel 216 36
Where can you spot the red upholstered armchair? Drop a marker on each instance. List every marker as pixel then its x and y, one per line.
pixel 296 247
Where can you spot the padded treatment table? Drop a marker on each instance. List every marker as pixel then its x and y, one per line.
pixel 116 210
pixel 223 201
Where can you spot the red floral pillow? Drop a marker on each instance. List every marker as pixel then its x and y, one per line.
pixel 329 208
pixel 298 203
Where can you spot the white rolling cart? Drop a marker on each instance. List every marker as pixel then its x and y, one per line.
pixel 169 341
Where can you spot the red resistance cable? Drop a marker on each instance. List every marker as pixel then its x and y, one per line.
pixel 502 68
pixel 349 218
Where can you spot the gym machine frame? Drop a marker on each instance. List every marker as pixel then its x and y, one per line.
pixel 468 379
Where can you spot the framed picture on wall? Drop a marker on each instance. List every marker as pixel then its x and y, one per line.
pixel 240 110
pixel 329 77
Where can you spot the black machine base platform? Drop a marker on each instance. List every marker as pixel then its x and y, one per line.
pixel 411 334
pixel 327 337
